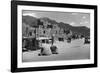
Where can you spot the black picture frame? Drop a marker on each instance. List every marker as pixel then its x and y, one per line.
pixel 14 5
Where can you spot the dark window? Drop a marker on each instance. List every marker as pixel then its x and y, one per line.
pixel 44 32
pixel 30 33
pixel 47 41
pixel 34 31
pixel 43 41
pixel 61 39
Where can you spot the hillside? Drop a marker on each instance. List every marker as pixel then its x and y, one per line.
pixel 32 21
pixel 75 29
pixel 29 20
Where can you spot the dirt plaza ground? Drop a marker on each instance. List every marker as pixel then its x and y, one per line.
pixel 75 50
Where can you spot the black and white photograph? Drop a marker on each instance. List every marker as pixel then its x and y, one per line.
pixel 50 36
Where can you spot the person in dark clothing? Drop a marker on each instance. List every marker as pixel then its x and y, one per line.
pixel 54 49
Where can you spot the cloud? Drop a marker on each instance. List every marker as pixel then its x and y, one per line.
pixel 30 14
pixel 81 23
pixel 74 13
pixel 84 17
pixel 85 22
pixel 72 23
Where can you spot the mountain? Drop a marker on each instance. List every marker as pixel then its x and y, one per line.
pixel 29 20
pixel 75 29
pixel 49 20
pixel 32 21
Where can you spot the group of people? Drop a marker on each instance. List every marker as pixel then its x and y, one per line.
pixel 45 51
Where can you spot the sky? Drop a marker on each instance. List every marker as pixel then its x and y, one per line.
pixel 72 18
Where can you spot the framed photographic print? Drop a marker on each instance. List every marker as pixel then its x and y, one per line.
pixel 52 36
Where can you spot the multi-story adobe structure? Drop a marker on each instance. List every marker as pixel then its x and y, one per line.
pixel 45 30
